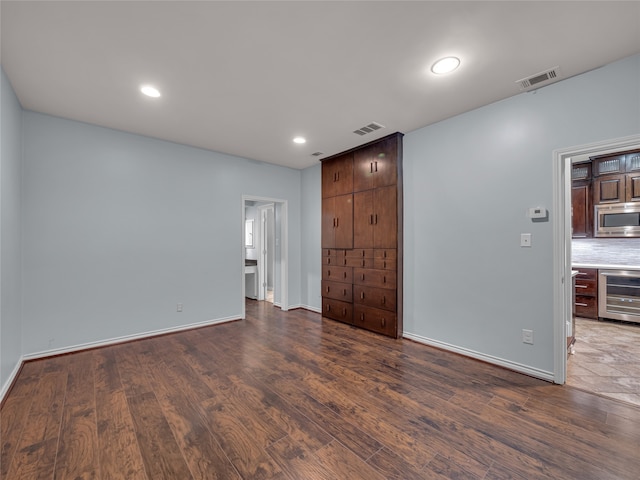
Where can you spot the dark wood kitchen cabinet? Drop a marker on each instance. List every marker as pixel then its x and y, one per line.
pixel 616 178
pixel 581 201
pixel 362 271
pixel 586 293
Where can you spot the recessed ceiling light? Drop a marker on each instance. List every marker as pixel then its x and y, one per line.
pixel 150 91
pixel 299 140
pixel 445 65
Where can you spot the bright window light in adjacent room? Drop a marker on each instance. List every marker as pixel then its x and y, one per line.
pixel 445 65
pixel 299 140
pixel 150 91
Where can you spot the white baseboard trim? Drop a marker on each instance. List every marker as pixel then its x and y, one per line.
pixel 11 379
pixel 306 307
pixel 517 367
pixel 125 338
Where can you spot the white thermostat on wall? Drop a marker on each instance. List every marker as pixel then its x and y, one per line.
pixel 537 212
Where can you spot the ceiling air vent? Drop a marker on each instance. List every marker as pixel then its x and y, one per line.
pixel 539 79
pixel 372 127
pixel 316 154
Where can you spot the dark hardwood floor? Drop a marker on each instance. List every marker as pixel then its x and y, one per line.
pixel 288 395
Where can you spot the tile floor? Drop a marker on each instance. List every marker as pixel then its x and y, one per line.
pixel 606 359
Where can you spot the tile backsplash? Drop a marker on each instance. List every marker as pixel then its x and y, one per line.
pixel 606 251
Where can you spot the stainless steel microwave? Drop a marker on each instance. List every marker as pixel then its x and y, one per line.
pixel 617 220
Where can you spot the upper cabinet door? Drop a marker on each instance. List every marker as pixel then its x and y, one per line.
pixel 633 162
pixel 376 165
pixel 337 176
pixel 337 222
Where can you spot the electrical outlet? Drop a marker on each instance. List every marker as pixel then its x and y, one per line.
pixel 525 239
pixel 527 336
pixel 179 309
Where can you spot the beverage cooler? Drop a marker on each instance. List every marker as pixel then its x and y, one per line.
pixel 619 295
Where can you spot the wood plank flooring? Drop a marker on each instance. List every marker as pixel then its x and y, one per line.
pixel 289 395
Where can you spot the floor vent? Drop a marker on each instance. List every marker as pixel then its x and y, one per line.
pixel 539 79
pixel 372 127
pixel 316 154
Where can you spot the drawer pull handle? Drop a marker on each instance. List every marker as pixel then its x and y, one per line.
pixel 328 289
pixel 376 218
pixel 371 167
pixel 384 263
pixel 362 295
pixel 344 312
pixel 344 292
pixel 344 274
pixel 382 322
pixel 328 273
pixel 376 166
pixel 363 253
pixel 384 299
pixel 384 279
pixel 328 261
pixel 371 219
pixel 582 286
pixel 328 307
pixel 362 317
pixel 363 277
pixel 363 262
pixel 581 305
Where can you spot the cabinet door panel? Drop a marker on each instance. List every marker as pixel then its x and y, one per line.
pixel 376 165
pixel 385 234
pixel 609 189
pixel 581 211
pixel 328 222
pixel 337 176
pixel 363 215
pixel 344 221
pixel 633 187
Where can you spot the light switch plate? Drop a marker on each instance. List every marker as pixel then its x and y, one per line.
pixel 525 239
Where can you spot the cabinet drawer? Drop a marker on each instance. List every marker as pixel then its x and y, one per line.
pixel 360 262
pixel 375 297
pixel 334 261
pixel 337 290
pixel 587 274
pixel 360 253
pixel 586 306
pixel 337 273
pixel 586 287
pixel 337 310
pixel 375 319
pixel 374 277
pixel 334 252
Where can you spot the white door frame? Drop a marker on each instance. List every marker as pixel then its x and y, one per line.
pixel 284 249
pixel 262 255
pixel 562 295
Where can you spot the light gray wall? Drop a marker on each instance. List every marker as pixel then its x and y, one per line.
pixel 10 244
pixel 311 224
pixel 468 183
pixel 119 228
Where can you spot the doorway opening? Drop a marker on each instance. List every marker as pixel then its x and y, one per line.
pixel 264 256
pixel 586 368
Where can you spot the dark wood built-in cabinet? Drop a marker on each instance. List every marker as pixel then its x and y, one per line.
pixel 361 236
pixel 586 293
pixel 581 201
pixel 603 179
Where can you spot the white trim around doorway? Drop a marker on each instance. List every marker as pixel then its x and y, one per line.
pixel 284 249
pixel 562 295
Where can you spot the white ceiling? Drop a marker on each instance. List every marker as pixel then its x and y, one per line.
pixel 244 78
